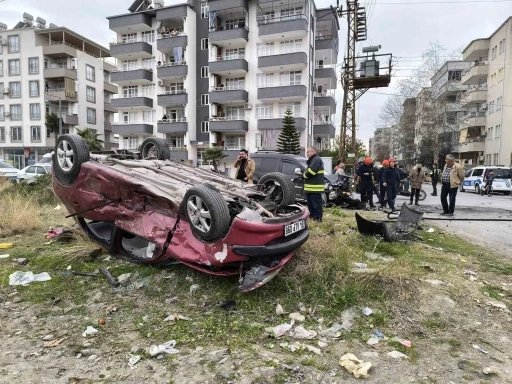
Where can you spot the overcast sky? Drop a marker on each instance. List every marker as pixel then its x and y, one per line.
pixel 403 29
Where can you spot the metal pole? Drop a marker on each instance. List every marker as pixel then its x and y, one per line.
pixel 60 116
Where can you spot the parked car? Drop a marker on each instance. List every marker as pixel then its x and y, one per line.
pixel 474 179
pixel 46 159
pixel 8 171
pixel 153 210
pixel 32 171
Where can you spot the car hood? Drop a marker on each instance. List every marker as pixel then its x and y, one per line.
pixel 331 178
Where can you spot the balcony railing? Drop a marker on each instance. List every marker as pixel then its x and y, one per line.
pixel 131 69
pixel 131 122
pixel 171 63
pixel 228 57
pixel 176 120
pixel 473 114
pixel 324 66
pixel 228 118
pixel 322 122
pixel 281 51
pixel 65 66
pixel 270 20
pixel 177 148
pixel 228 88
pixel 279 84
pixel 280 116
pixel 131 41
pixel 227 27
pixel 64 43
pixel 172 92
pixel 477 64
pixel 170 34
pixel 323 94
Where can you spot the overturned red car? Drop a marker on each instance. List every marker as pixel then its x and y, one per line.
pixel 153 210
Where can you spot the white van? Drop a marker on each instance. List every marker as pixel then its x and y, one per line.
pixel 475 179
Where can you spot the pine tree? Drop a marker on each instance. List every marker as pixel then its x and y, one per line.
pixel 289 138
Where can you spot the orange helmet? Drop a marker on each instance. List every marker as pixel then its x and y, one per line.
pixel 368 160
pixel 385 163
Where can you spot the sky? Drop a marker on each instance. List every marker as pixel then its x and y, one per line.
pixel 399 26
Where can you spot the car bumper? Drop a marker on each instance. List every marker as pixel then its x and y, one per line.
pixel 275 248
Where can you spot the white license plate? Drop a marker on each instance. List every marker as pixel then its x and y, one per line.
pixel 290 229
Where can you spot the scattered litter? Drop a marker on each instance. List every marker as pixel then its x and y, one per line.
pixel 301 333
pixel 54 343
pixel 302 308
pixel 57 208
pixel 124 279
pixel 54 232
pixel 24 278
pixel 21 261
pixel 172 300
pixel 194 288
pixel 111 280
pixel 405 343
pixel 470 273
pixel 373 341
pixel 378 334
pixel 321 344
pixel 436 282
pixel 347 318
pixel 333 331
pixel 367 311
pixel 472 278
pixel 297 316
pixel 463 260
pixel 174 317
pixel 89 331
pixel 397 355
pixel 357 367
pixel 189 278
pixel 310 348
pixel 427 268
pixel 47 338
pixel 293 347
pixel 168 347
pixel 4 256
pixel 361 265
pixel 490 370
pixel 48 242
pixel 101 321
pixel 228 305
pixel 279 309
pixel 110 309
pixel 132 360
pixel 430 230
pixel 497 304
pixel 479 348
pixel 279 330
pixel 5 245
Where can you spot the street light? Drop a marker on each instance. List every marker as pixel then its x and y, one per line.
pixel 60 110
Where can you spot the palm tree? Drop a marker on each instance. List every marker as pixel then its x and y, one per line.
pixel 91 138
pixel 214 154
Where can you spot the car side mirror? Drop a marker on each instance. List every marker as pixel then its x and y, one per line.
pixel 298 172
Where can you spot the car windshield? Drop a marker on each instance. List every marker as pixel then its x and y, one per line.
pixel 5 165
pixel 45 160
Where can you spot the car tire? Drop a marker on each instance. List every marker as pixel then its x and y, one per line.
pixel 506 193
pixel 477 189
pixel 206 211
pixel 286 186
pixel 71 151
pixel 154 147
pixel 423 195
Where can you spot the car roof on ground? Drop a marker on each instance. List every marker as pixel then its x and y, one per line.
pixel 277 154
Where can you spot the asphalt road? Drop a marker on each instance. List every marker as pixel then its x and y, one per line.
pixel 495 236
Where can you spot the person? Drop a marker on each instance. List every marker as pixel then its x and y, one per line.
pixel 165 117
pixel 417 177
pixel 394 166
pixel 389 180
pixel 366 174
pixel 382 188
pixel 245 167
pixel 434 175
pixel 488 181
pixel 403 177
pixel 314 184
pixel 339 164
pixel 376 184
pixel 452 178
pixel 341 170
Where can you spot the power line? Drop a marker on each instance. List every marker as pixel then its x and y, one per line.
pixel 445 2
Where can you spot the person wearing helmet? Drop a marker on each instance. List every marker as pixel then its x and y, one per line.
pixel 366 175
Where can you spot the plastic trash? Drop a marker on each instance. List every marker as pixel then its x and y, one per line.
pixel 4 256
pixel 168 347
pixel 405 343
pixel 57 208
pixel 379 335
pixel 397 355
pixel 360 265
pixel 430 230
pixel 279 309
pixel 301 333
pixel 5 245
pixel 89 331
pixel 24 278
pixel 373 341
pixel 367 311
pixel 297 316
pixel 497 304
pixel 479 348
pixel 280 330
pixel 194 288
pixel 132 360
pixel 333 331
pixel 172 318
pixel 358 368
pixel 316 350
pixel 322 344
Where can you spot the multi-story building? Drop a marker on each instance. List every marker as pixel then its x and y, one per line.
pixel 371 147
pixel 383 149
pixel 39 67
pixel 407 148
pixel 446 92
pixel 224 73
pixel 487 138
pixel 425 120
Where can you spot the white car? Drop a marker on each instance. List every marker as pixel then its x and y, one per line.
pixel 46 159
pixel 7 170
pixel 32 171
pixel 474 179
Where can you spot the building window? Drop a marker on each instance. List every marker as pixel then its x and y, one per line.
pixel 204 10
pixel 130 91
pixel 455 75
pixel 290 78
pixel 129 38
pixel 264 111
pixel 148 36
pixel 294 107
pixel 235 113
pixel 1 68
pixel 205 99
pixel 174 141
pixel 90 72
pixel 35 133
pixel 15 111
pixel 148 63
pixel 147 90
pixel 234 143
pixel 265 49
pixel 130 142
pixel 13 43
pixel 33 65
pixel 289 46
pixel 149 116
pixel 91 116
pixel 35 111
pixel 33 87
pixel 48 132
pixel 235 84
pixel 16 134
pixel 129 65
pixel 265 80
pixel 2 134
pixel 91 94
pixel 2 111
pixel 205 126
pixel 204 44
pixel 200 156
pixel 1 91
pixel 204 72
pixel 14 67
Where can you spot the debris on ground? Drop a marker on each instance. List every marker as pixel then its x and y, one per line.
pixel 124 279
pixel 279 309
pixel 405 343
pixel 132 360
pixel 347 318
pixel 111 279
pixel 24 278
pixel 427 268
pixel 490 370
pixel 296 346
pixel 279 330
pixel 228 305
pixel 302 333
pixel 358 368
pixel 397 355
pixel 54 343
pixel 367 311
pixel 497 304
pixel 361 265
pixel 5 245
pixel 378 334
pixel 373 340
pixel 21 261
pixel 334 331
pixel 101 321
pixel 57 208
pixel 54 232
pixel 89 331
pixel 430 230
pixel 436 282
pixel 175 317
pixel 4 256
pixel 168 347
pixel 479 348
pixel 322 344
pixel 194 288
pixel 297 316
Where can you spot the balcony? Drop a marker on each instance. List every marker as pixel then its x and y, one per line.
pixel 132 128
pixel 228 95
pixel 475 119
pixel 70 119
pixel 230 124
pixel 57 71
pixel 476 74
pixel 235 65
pixel 172 98
pixel 167 42
pixel 109 87
pixel 277 123
pixel 178 125
pixel 172 70
pixel 472 145
pixel 476 49
pixel 325 100
pixel 134 102
pixel 326 42
pixel 451 86
pixel 54 94
pixel 110 145
pixel 328 73
pixel 107 126
pixel 450 107
pixel 59 49
pixel 228 26
pixel 129 23
pixel 132 76
pixel 107 106
pixel 239 34
pixel 290 60
pixel 474 97
pixel 282 91
pixel 129 50
pixel 295 26
pixel 324 128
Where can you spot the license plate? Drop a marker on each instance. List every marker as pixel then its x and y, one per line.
pixel 290 229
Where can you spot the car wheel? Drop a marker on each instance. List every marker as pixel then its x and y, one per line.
pixel 280 188
pixel 21 181
pixel 155 148
pixel 506 193
pixel 423 195
pixel 71 152
pixel 477 189
pixel 207 212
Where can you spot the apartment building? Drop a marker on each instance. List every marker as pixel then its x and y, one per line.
pixel 447 90
pixel 371 147
pixel 224 73
pixel 407 148
pixel 424 128
pixel 488 139
pixel 40 66
pixel 382 144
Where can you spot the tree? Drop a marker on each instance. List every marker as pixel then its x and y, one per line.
pixel 91 138
pixel 214 154
pixel 52 123
pixel 289 138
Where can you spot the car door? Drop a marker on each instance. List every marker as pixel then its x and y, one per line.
pixel 40 171
pixel 29 173
pixel 288 168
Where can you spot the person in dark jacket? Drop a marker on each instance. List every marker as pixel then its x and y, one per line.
pixel 314 184
pixel 382 188
pixel 366 175
pixel 434 175
pixel 389 180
